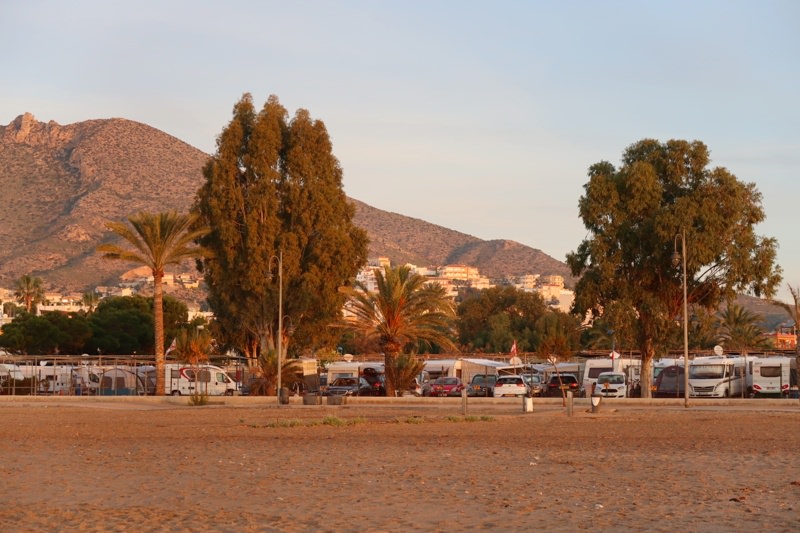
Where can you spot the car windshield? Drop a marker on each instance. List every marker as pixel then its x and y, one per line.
pixel 613 379
pixel 509 380
pixel 533 378
pixel 706 371
pixel 344 382
pixel 447 381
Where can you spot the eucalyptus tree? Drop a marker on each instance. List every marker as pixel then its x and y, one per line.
pixel 29 292
pixel 156 240
pixel 281 230
pixel 638 214
pixel 406 310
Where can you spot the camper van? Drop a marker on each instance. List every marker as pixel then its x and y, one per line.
pixel 187 379
pixel 772 376
pixel 594 367
pixel 718 376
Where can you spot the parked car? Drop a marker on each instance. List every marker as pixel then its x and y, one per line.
pixel 447 386
pixel 563 382
pixel 482 385
pixel 612 385
pixel 535 383
pixel 511 385
pixel 349 387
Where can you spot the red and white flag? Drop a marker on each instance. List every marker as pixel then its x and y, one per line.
pixel 514 348
pixel 171 346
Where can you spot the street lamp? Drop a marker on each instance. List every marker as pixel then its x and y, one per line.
pixel 677 258
pixel 279 261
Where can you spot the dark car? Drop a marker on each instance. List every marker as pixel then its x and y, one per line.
pixel 447 387
pixel 349 387
pixel 559 384
pixel 482 385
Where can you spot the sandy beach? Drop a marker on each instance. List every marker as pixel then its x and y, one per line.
pixel 98 465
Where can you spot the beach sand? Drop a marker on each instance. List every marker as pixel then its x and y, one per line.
pixel 127 466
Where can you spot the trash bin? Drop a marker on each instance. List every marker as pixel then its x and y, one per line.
pixel 596 400
pixel 312 399
pixel 284 396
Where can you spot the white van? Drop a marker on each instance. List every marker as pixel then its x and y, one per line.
pixel 612 385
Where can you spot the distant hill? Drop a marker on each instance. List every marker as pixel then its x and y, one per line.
pixel 61 184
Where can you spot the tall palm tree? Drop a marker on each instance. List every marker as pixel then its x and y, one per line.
pixel 29 292
pixel 158 240
pixel 739 329
pixel 405 311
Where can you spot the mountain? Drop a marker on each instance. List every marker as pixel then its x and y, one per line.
pixel 61 184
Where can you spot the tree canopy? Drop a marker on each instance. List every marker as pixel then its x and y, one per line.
pixel 636 216
pixel 492 319
pixel 279 217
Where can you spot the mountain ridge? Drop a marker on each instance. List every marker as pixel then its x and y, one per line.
pixel 66 181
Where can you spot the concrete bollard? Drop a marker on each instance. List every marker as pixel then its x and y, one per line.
pixel 527 404
pixel 570 403
pixel 596 401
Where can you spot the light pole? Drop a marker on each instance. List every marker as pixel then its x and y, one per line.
pixel 677 258
pixel 279 260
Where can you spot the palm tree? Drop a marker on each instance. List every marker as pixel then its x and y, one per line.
pixel 90 300
pixel 158 240
pixel 405 311
pixel 29 292
pixel 738 329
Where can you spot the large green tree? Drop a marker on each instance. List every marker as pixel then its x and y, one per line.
pixel 279 218
pixel 406 310
pixel 636 216
pixel 492 319
pixel 156 240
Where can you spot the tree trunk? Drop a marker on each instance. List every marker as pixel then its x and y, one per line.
pixel 390 372
pixel 646 373
pixel 158 319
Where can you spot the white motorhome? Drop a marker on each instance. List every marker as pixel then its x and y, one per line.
pixel 187 379
pixel 594 367
pixel 772 376
pixel 63 379
pixel 718 376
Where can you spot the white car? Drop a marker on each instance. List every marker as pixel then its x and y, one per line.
pixel 511 385
pixel 612 385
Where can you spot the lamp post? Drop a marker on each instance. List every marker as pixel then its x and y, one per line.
pixel 677 258
pixel 279 261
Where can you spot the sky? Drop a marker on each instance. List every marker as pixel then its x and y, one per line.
pixel 479 116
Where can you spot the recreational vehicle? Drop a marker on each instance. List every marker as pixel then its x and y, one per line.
pixel 772 376
pixel 594 367
pixel 182 379
pixel 718 376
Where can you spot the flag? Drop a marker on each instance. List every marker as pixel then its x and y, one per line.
pixel 614 355
pixel 171 346
pixel 514 348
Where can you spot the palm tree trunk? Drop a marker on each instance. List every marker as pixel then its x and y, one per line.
pixel 158 319
pixel 390 372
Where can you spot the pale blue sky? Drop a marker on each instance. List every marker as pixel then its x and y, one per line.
pixel 480 116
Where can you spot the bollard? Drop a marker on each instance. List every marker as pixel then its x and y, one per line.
pixel 464 401
pixel 527 404
pixel 570 401
pixel 596 401
pixel 284 396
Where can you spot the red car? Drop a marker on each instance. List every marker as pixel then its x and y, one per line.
pixel 447 387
